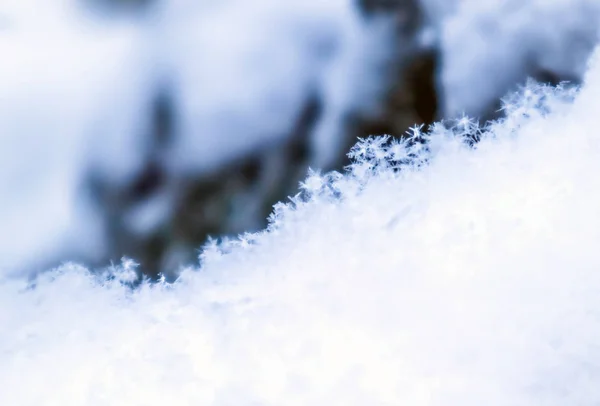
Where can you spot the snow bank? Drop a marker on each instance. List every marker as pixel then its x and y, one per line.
pixel 468 277
pixel 489 46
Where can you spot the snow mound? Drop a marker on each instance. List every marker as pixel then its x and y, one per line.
pixel 436 271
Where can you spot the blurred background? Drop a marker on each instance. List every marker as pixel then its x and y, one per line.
pixel 139 128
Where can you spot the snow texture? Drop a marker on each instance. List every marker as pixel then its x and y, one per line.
pixel 489 46
pixel 433 272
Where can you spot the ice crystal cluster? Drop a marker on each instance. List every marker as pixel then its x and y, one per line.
pixel 458 267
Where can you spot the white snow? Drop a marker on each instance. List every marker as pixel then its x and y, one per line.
pixel 468 278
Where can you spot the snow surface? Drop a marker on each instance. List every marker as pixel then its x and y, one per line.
pixel 508 41
pixel 468 277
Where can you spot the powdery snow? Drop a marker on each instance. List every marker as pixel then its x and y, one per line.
pixel 468 277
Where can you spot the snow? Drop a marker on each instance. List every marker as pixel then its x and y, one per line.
pixel 468 277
